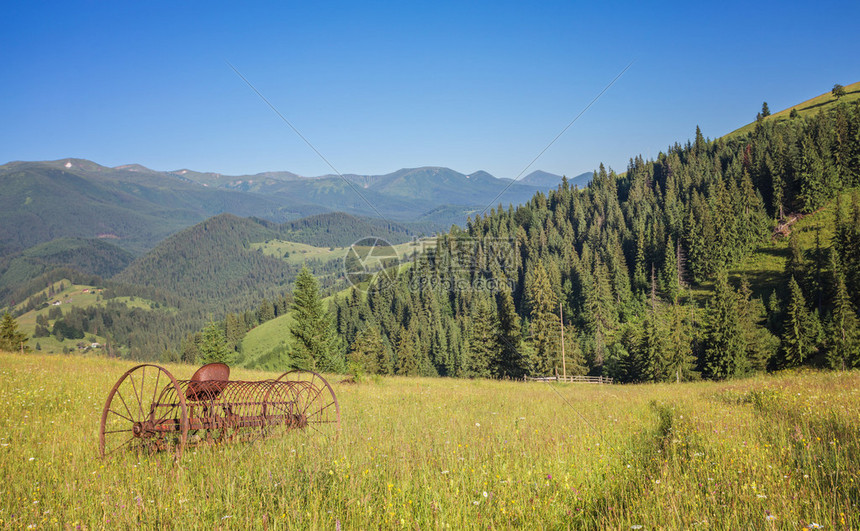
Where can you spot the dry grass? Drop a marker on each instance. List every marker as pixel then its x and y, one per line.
pixel 768 452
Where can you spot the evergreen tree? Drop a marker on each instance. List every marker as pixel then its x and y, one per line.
pixel 724 351
pixel 652 350
pixel 544 323
pixel 369 352
pixel 669 271
pixel 313 328
pixel 679 359
pixel 484 339
pixel 509 362
pixel 844 333
pixel 10 338
pixel 212 347
pixel 408 363
pixel 575 359
pixel 797 337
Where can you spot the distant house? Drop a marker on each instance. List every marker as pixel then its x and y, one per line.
pixel 95 345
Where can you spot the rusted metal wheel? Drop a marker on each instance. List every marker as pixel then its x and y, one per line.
pixel 144 412
pixel 311 405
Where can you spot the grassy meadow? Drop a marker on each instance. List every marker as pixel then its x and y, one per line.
pixel 772 452
pixel 807 108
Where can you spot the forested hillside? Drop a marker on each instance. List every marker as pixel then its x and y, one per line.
pixel 96 257
pixel 341 230
pixel 619 259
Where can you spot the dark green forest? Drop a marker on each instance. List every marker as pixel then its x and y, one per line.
pixel 625 261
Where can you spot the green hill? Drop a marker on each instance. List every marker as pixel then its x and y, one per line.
pixel 214 264
pixel 96 257
pixel 133 208
pixel 823 102
pixel 338 229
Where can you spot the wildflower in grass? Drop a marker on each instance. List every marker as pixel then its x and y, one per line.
pixel 636 526
pixel 485 494
pixel 814 525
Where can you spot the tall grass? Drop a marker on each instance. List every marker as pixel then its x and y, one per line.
pixel 769 452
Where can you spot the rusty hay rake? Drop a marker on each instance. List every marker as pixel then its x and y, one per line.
pixel 150 410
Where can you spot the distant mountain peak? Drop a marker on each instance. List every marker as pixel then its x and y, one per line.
pixel 132 167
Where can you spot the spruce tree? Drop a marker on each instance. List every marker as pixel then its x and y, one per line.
pixel 797 339
pixel 509 361
pixel 724 351
pixel 408 363
pixel 679 352
pixel 844 333
pixel 669 271
pixel 212 347
pixel 544 323
pixel 313 328
pixel 484 339
pixel 10 338
pixel 369 352
pixel 652 349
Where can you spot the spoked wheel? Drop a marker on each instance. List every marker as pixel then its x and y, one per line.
pixel 304 400
pixel 144 412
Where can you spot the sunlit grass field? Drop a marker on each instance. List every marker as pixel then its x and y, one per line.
pixel 772 452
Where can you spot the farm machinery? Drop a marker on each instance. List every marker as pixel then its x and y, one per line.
pixel 150 410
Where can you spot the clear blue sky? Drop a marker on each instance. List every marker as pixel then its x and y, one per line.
pixel 380 86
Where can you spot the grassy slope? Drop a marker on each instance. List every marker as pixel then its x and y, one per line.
pixel 432 453
pixel 764 268
pixel 300 252
pixel 73 295
pixel 811 106
pixel 271 334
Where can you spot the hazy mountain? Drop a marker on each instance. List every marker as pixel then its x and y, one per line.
pixel 135 207
pixel 132 206
pixel 545 180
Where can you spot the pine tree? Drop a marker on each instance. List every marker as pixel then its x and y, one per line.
pixel 669 271
pixel 484 339
pixel 844 332
pixel 313 328
pixel 370 352
pixel 724 351
pixel 408 363
pixel 212 347
pixel 544 323
pixel 509 362
pixel 10 338
pixel 679 359
pixel 652 349
pixel 797 339
pixel 575 359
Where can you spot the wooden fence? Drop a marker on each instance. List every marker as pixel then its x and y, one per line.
pixel 573 379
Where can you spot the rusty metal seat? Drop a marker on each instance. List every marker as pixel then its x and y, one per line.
pixel 208 382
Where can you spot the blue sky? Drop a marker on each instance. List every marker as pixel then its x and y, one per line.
pixel 380 86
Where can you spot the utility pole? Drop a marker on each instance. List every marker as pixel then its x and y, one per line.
pixel 563 364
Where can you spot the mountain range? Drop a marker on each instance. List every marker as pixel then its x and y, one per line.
pixel 135 207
